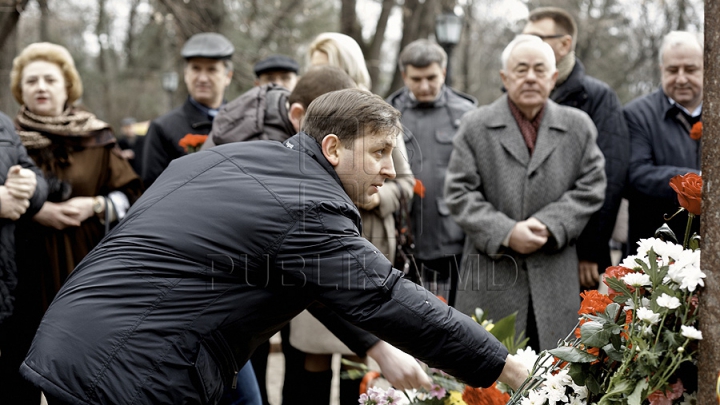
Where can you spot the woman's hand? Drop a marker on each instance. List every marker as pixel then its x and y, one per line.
pixel 59 215
pixel 399 368
pixel 11 207
pixel 21 182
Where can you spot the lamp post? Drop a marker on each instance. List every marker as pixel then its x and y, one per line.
pixel 448 27
pixel 170 84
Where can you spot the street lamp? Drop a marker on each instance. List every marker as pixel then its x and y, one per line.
pixel 170 84
pixel 448 27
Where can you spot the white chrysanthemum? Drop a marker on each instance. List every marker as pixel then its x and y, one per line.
pixel 647 330
pixel 535 397
pixel 630 262
pixel 690 332
pixel 581 392
pixel 527 357
pixel 689 399
pixel 668 301
pixel 689 259
pixel 691 278
pixel 644 303
pixel 636 279
pixel 647 316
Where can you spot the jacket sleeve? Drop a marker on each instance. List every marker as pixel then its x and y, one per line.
pixel 645 176
pixel 566 217
pixel 404 180
pixel 356 339
pixel 346 273
pixel 614 142
pixel 481 221
pixel 155 156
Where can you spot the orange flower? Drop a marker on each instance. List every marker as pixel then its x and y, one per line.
pixel 419 188
pixel 192 142
pixel 689 191
pixel 696 131
pixel 593 302
pixel 367 379
pixel 617 272
pixel 484 396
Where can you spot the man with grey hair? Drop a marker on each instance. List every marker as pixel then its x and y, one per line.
pixel 574 88
pixel 524 178
pixel 661 147
pixel 431 114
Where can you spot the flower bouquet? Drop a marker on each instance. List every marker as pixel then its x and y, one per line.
pixel 446 390
pixel 192 142
pixel 633 345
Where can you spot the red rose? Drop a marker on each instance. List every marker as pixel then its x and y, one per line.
pixel 696 131
pixel 689 191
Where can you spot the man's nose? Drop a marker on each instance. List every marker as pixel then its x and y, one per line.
pixel 388 168
pixel 682 76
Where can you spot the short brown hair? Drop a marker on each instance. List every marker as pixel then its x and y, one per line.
pixel 422 53
pixel 52 53
pixel 318 81
pixel 348 114
pixel 563 20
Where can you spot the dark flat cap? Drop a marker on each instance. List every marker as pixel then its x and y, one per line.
pixel 275 63
pixel 208 45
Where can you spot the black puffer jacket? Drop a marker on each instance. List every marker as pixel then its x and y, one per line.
pixel 12 152
pixel 601 103
pixel 173 300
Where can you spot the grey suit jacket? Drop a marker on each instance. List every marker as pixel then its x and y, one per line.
pixel 492 182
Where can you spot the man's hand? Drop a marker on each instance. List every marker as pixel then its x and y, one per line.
pixel 58 216
pixel 11 207
pixel 372 203
pixel 514 373
pixel 528 236
pixel 588 272
pixel 21 182
pixel 83 205
pixel 399 368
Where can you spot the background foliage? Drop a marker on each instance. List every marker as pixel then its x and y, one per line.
pixel 123 47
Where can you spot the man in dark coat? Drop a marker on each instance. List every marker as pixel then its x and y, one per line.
pixel 576 89
pixel 208 71
pixel 431 115
pixel 170 303
pixel 662 148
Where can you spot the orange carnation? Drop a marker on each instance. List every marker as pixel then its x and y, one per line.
pixel 593 302
pixel 696 131
pixel 484 396
pixel 192 142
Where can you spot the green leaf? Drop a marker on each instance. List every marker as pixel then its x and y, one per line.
pixel 578 373
pixel 594 334
pixel 613 353
pixel 611 311
pixel 616 342
pixel 572 354
pixel 636 397
pixel 504 328
pixel 592 384
pixel 694 242
pixel 619 286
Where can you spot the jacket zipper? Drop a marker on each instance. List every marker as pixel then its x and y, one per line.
pixel 229 353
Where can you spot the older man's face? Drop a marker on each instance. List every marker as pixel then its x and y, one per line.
pixel 528 78
pixel 682 75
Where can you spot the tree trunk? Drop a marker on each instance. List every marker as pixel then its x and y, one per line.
pixel 196 16
pixel 9 17
pixel 101 31
pixel 372 56
pixel 44 20
pixel 349 24
pixel 709 359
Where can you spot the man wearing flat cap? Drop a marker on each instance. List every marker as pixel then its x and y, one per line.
pixel 208 70
pixel 278 69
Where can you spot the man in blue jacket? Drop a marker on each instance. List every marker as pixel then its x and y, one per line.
pixel 659 125
pixel 174 299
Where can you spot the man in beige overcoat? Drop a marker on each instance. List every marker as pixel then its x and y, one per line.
pixel 524 178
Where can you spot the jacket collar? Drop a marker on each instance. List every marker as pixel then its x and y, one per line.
pixel 196 118
pixel 571 85
pixel 306 144
pixel 550 133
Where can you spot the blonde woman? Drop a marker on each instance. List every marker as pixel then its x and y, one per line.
pixel 339 50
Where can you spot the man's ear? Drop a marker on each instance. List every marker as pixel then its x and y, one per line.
pixel 566 43
pixel 331 149
pixel 296 114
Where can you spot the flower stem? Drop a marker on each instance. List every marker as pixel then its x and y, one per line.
pixel 691 216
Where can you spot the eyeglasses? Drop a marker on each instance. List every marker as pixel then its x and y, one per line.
pixel 544 37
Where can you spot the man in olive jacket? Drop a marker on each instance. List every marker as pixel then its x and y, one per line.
pixel 174 299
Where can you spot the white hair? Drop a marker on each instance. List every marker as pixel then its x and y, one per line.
pixel 678 38
pixel 535 40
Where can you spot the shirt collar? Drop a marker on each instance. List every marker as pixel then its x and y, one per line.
pixel 210 112
pixel 696 112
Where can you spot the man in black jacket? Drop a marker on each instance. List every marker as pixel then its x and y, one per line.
pixel 208 71
pixel 576 89
pixel 170 303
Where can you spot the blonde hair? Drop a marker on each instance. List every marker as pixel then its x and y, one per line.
pixel 52 53
pixel 343 52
